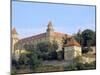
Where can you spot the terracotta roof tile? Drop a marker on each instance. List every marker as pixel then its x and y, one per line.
pixel 57 35
pixel 39 36
pixel 32 38
pixel 72 43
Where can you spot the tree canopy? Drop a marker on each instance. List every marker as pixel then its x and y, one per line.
pixel 88 37
pixel 47 50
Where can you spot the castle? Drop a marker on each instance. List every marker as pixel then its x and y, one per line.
pixel 72 49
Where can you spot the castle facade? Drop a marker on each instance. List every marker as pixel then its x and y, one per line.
pixel 71 49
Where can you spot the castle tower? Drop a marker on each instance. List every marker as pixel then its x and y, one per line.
pixel 72 49
pixel 50 31
pixel 14 39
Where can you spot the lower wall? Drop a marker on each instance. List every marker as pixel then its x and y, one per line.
pixel 87 59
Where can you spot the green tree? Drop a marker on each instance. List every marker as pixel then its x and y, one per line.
pixel 86 49
pixel 78 37
pixel 53 53
pixel 60 55
pixel 29 47
pixel 47 50
pixel 88 37
pixel 23 60
pixel 43 49
pixel 31 59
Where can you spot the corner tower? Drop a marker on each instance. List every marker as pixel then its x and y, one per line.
pixel 72 50
pixel 14 39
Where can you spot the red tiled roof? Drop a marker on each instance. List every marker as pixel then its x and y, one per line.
pixel 57 34
pixel 39 36
pixel 72 43
pixel 32 38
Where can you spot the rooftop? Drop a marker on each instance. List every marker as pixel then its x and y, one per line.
pixel 72 42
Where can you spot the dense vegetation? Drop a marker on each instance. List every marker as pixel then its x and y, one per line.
pixel 76 65
pixel 47 50
pixel 35 56
pixel 86 38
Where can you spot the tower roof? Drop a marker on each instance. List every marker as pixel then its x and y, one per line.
pixel 50 23
pixel 50 26
pixel 14 31
pixel 72 42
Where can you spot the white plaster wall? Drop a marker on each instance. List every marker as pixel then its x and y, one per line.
pixel 68 53
pixel 71 52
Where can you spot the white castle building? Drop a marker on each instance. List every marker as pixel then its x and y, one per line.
pixel 71 50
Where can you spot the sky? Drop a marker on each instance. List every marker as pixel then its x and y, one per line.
pixel 31 18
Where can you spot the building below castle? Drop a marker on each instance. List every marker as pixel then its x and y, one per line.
pixel 72 48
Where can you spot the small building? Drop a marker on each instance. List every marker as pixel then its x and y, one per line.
pixel 72 49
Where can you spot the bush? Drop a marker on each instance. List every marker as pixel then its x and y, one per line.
pixel 47 50
pixel 91 65
pixel 60 55
pixel 70 67
pixel 80 66
pixel 78 59
pixel 52 55
pixel 13 72
pixel 34 61
pixel 23 60
pixel 86 49
pixel 14 62
pixel 30 60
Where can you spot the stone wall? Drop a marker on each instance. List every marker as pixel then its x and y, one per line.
pixel 87 59
pixel 71 52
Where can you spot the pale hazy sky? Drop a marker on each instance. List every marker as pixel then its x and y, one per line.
pixel 30 18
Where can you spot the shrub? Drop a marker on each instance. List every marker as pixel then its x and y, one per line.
pixel 52 55
pixel 13 71
pixel 86 49
pixel 78 59
pixel 30 60
pixel 80 66
pixel 14 62
pixel 47 50
pixel 70 67
pixel 60 55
